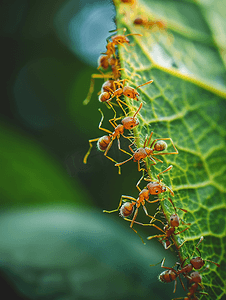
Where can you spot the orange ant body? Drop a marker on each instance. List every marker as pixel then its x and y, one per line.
pixel 105 142
pixel 127 208
pixel 195 280
pixel 149 24
pixel 110 91
pixel 170 275
pixel 169 229
pixel 195 262
pixel 145 151
pixel 109 59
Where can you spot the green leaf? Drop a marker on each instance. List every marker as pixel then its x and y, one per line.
pixel 186 102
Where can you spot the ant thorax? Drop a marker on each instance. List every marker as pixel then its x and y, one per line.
pixel 144 195
pixel 118 130
pixel 155 188
pixel 130 122
pixel 160 146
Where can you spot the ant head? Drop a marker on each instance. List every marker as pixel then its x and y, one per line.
pixel 103 142
pixel 174 220
pixel 197 262
pixel 196 277
pixel 130 92
pixel 104 96
pixel 160 145
pixel 130 122
pixel 120 39
pixel 126 209
pixel 155 188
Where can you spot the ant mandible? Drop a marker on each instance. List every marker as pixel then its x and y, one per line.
pixel 145 151
pixel 104 143
pixel 127 208
pixel 169 229
pixel 195 262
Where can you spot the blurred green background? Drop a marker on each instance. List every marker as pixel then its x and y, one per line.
pixel 55 241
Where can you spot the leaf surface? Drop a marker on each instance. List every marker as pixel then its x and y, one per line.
pixel 186 102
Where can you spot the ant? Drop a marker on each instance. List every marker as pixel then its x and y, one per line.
pixel 145 22
pixel 195 280
pixel 169 229
pixel 196 262
pixel 145 151
pixel 127 208
pixel 118 39
pixel 105 142
pixel 110 92
pixel 170 275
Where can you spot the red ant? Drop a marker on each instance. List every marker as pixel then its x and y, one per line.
pixel 110 92
pixel 145 22
pixel 170 275
pixel 196 262
pixel 127 208
pixel 105 142
pixel 195 280
pixel 145 151
pixel 169 229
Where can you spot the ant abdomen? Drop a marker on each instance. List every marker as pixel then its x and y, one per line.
pixel 126 209
pixel 103 142
pixel 167 276
pixel 160 145
pixel 107 86
pixel 105 96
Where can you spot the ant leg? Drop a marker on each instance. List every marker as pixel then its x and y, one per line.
pixel 139 181
pixel 121 163
pixel 120 203
pixel 119 101
pixel 111 106
pixel 148 140
pixel 181 245
pixel 150 81
pixel 116 164
pixel 139 168
pixel 124 151
pixel 154 201
pixel 131 145
pixel 153 159
pixel 153 218
pixel 90 147
pixel 91 88
pixel 181 231
pixel 101 121
pixel 166 170
pixel 113 121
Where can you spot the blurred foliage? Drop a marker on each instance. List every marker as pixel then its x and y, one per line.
pixel 186 102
